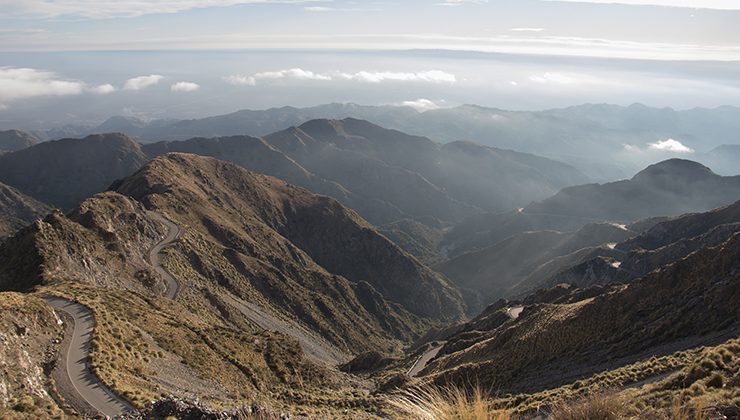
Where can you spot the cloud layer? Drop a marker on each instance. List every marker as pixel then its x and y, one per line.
pixel 95 9
pixel 430 76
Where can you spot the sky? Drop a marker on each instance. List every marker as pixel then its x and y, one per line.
pixel 80 61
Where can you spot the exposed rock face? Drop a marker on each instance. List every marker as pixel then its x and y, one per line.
pixel 65 172
pixel 17 210
pixel 102 242
pixel 29 334
pixel 13 140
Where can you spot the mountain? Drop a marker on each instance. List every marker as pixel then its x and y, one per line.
pixel 637 256
pixel 18 210
pixel 457 176
pixel 384 174
pixel 724 159
pixel 12 140
pixel 591 137
pixel 502 270
pixel 276 285
pixel 669 188
pixel 634 331
pixel 65 172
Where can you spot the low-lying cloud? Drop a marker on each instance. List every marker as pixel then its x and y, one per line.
pixel 142 82
pixel 429 76
pixel 184 87
pixel 422 104
pixel 22 83
pixel 670 145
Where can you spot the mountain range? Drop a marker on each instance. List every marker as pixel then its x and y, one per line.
pixel 384 174
pixel 606 142
pixel 338 269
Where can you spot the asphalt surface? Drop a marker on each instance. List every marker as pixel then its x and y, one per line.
pixel 514 312
pixel 75 352
pixel 173 233
pixel 75 361
pixel 425 358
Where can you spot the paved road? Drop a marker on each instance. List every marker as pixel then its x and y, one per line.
pixel 514 312
pixel 75 352
pixel 425 358
pixel 74 364
pixel 173 233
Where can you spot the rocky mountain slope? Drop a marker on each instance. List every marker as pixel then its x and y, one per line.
pixel 694 300
pixel 18 210
pixel 277 286
pixel 13 140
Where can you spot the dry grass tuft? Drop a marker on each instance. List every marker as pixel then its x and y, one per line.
pixel 597 406
pixel 447 403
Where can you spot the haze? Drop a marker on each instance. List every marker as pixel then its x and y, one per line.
pixel 70 63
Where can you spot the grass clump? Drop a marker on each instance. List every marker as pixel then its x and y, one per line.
pixel 446 403
pixel 601 406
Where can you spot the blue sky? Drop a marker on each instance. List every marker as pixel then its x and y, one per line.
pixel 189 58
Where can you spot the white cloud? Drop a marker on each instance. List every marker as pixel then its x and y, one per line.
pixel 102 89
pixel 298 74
pixel 431 76
pixel 22 83
pixel 95 9
pixel 142 82
pixel 670 145
pixel 422 104
pixel 694 4
pixel 318 9
pixel 184 87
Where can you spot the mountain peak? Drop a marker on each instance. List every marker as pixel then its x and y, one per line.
pixel 675 168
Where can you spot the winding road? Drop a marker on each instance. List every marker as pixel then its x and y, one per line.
pixel 74 369
pixel 173 234
pixel 74 376
pixel 424 359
